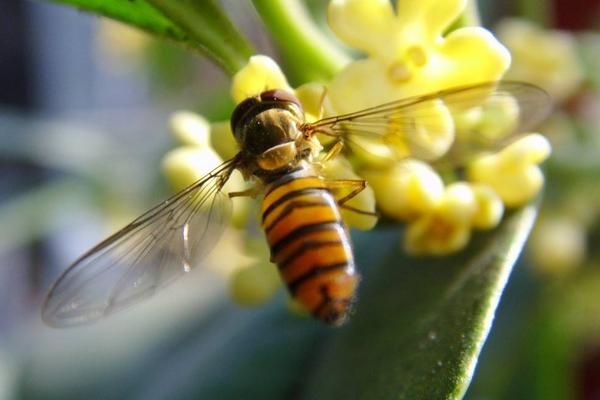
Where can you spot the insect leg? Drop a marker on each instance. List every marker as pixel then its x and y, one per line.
pixel 334 151
pixel 252 192
pixel 357 186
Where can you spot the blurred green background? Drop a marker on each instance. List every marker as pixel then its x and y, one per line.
pixel 84 109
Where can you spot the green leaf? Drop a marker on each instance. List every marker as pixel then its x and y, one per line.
pixel 210 30
pixel 416 334
pixel 421 322
pixel 199 24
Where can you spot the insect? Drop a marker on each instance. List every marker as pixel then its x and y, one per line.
pixel 300 207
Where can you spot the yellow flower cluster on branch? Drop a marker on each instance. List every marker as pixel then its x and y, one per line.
pixel 513 173
pixel 409 52
pixel 447 228
pixel 196 157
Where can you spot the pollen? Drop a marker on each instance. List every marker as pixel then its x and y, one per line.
pixel 417 55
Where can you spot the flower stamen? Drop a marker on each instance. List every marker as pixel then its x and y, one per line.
pixel 417 55
pixel 399 72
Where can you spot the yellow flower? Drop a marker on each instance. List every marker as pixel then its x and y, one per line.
pixel 513 173
pixel 340 168
pixel 187 164
pixel 546 58
pixel 407 51
pixel 489 207
pixel 256 284
pixel 447 227
pixel 222 139
pixel 491 120
pixel 408 189
pixel 260 74
pixel 195 158
pixel 189 128
pixel 407 56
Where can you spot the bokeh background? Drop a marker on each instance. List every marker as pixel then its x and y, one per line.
pixel 84 110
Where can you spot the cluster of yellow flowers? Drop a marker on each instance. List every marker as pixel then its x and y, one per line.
pixel 408 54
pixel 559 240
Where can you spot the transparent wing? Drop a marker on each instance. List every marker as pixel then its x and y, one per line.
pixel 483 117
pixel 149 253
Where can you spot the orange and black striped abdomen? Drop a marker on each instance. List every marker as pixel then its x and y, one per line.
pixel 310 245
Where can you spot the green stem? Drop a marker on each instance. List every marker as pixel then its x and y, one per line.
pixel 210 31
pixel 309 54
pixel 471 14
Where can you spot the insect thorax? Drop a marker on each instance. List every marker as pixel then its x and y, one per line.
pixel 268 129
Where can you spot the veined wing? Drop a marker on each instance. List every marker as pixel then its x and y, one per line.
pixel 149 253
pixel 482 117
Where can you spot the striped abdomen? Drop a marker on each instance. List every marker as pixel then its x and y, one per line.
pixel 310 245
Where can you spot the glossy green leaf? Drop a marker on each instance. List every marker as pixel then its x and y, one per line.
pixel 210 30
pixel 416 334
pixel 420 323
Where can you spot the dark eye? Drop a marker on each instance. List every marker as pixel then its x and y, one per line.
pixel 280 95
pixel 241 110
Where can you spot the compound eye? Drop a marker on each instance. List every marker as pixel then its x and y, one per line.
pixel 240 112
pixel 280 95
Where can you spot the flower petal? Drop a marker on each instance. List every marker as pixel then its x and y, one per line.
pixel 489 207
pixel 466 56
pixel 513 173
pixel 360 85
pixel 260 74
pixel 434 235
pixel 433 15
pixel 185 165
pixel 363 24
pixel 190 128
pixel 409 189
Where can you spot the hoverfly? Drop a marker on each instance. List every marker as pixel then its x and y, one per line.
pixel 300 208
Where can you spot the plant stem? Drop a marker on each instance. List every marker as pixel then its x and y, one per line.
pixel 309 54
pixel 209 30
pixel 471 14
